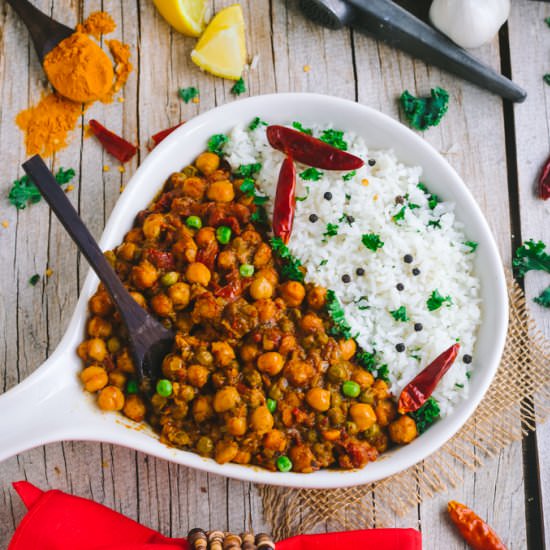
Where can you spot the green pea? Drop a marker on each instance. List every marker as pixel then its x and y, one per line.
pixel 351 388
pixel 170 278
pixel 223 234
pixel 194 222
pixel 246 270
pixel 271 405
pixel 164 387
pixel 132 386
pixel 284 464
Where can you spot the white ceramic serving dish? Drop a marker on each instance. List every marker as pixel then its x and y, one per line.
pixel 50 405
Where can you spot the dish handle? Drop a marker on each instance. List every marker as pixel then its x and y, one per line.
pixel 36 411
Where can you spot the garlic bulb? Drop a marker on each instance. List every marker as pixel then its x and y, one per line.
pixel 469 23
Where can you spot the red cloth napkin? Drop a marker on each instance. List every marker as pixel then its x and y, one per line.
pixel 58 521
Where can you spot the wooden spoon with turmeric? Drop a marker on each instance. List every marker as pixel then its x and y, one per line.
pixel 75 65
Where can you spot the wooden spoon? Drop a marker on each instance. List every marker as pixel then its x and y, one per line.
pixel 46 33
pixel 150 341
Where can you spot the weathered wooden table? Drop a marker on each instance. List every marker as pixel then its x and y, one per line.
pixel 496 147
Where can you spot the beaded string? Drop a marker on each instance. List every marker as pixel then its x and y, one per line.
pixel 218 540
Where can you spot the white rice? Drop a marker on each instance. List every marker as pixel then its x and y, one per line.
pixel 446 264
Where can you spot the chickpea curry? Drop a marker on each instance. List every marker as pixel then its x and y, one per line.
pixel 255 376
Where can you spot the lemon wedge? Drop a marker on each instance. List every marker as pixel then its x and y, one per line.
pixel 186 16
pixel 221 50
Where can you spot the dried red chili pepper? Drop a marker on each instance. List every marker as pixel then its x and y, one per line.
pixel 544 182
pixel 285 201
pixel 417 392
pixel 473 529
pixel 311 151
pixel 121 149
pixel 161 259
pixel 159 136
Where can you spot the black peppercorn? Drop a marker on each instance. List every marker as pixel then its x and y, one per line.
pixel 360 271
pixel 372 162
pixel 346 278
pixel 328 196
pixel 418 327
pixel 467 359
pixel 416 271
pixel 408 259
pixel 400 286
pixel 400 347
pixel 313 218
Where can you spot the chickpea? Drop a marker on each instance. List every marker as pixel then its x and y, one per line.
pixel 144 275
pixel 221 191
pixel 302 457
pixel 293 293
pixel 110 398
pixel 205 446
pixel 267 310
pixel 223 353
pixel 347 348
pixel 205 236
pixel 113 344
pixel 338 372
pixel 299 373
pixel 226 451
pixel 198 273
pixel 261 420
pixel 194 187
pixel 225 399
pixel 139 299
pixel 271 363
pixel 118 379
pixel 236 426
pixel 288 344
pixel 380 389
pixel 127 251
pixel 197 375
pixel 152 226
pixel 364 378
pixel 403 430
pixel 162 305
pixel 249 352
pixel 275 440
pixel 252 237
pixel 219 175
pixel 172 366
pixel 99 328
pixel 134 408
pixel 362 415
pixel 317 297
pixel 202 409
pixel 270 274
pixel 243 457
pixel 96 349
pixel 227 260
pixel 311 323
pixel 100 304
pixel 262 256
pixel 135 235
pixel 207 163
pixel 261 288
pixel 94 378
pixel 124 362
pixel 318 399
pixel 385 411
pixel 180 294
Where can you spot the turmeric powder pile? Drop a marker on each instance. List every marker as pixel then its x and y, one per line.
pixel 81 72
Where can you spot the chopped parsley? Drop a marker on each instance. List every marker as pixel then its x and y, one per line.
pixel 346 218
pixel 216 143
pixel 331 231
pixel 349 175
pixel 248 187
pixel 311 174
pixel 400 314
pixel 433 200
pixel 426 415
pixel 23 191
pixel 248 170
pixel 372 241
pixel 547 21
pixel 423 112
pixel 436 300
pixel 256 122
pixel 544 298
pixel 334 309
pixel 239 87
pixel 369 361
pixel 361 306
pixel 348 197
pixel 188 94
pixel 291 265
pixel 298 126
pixel 460 386
pixel 473 246
pixel 531 256
pixel 435 224
pixel 546 78
pixel 469 375
pixel 259 216
pixel 334 138
pixel 323 262
pixel 383 372
pixel 34 279
pixel 400 216
pixel 301 199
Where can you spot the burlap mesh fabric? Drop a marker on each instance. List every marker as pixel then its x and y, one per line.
pixel 518 398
